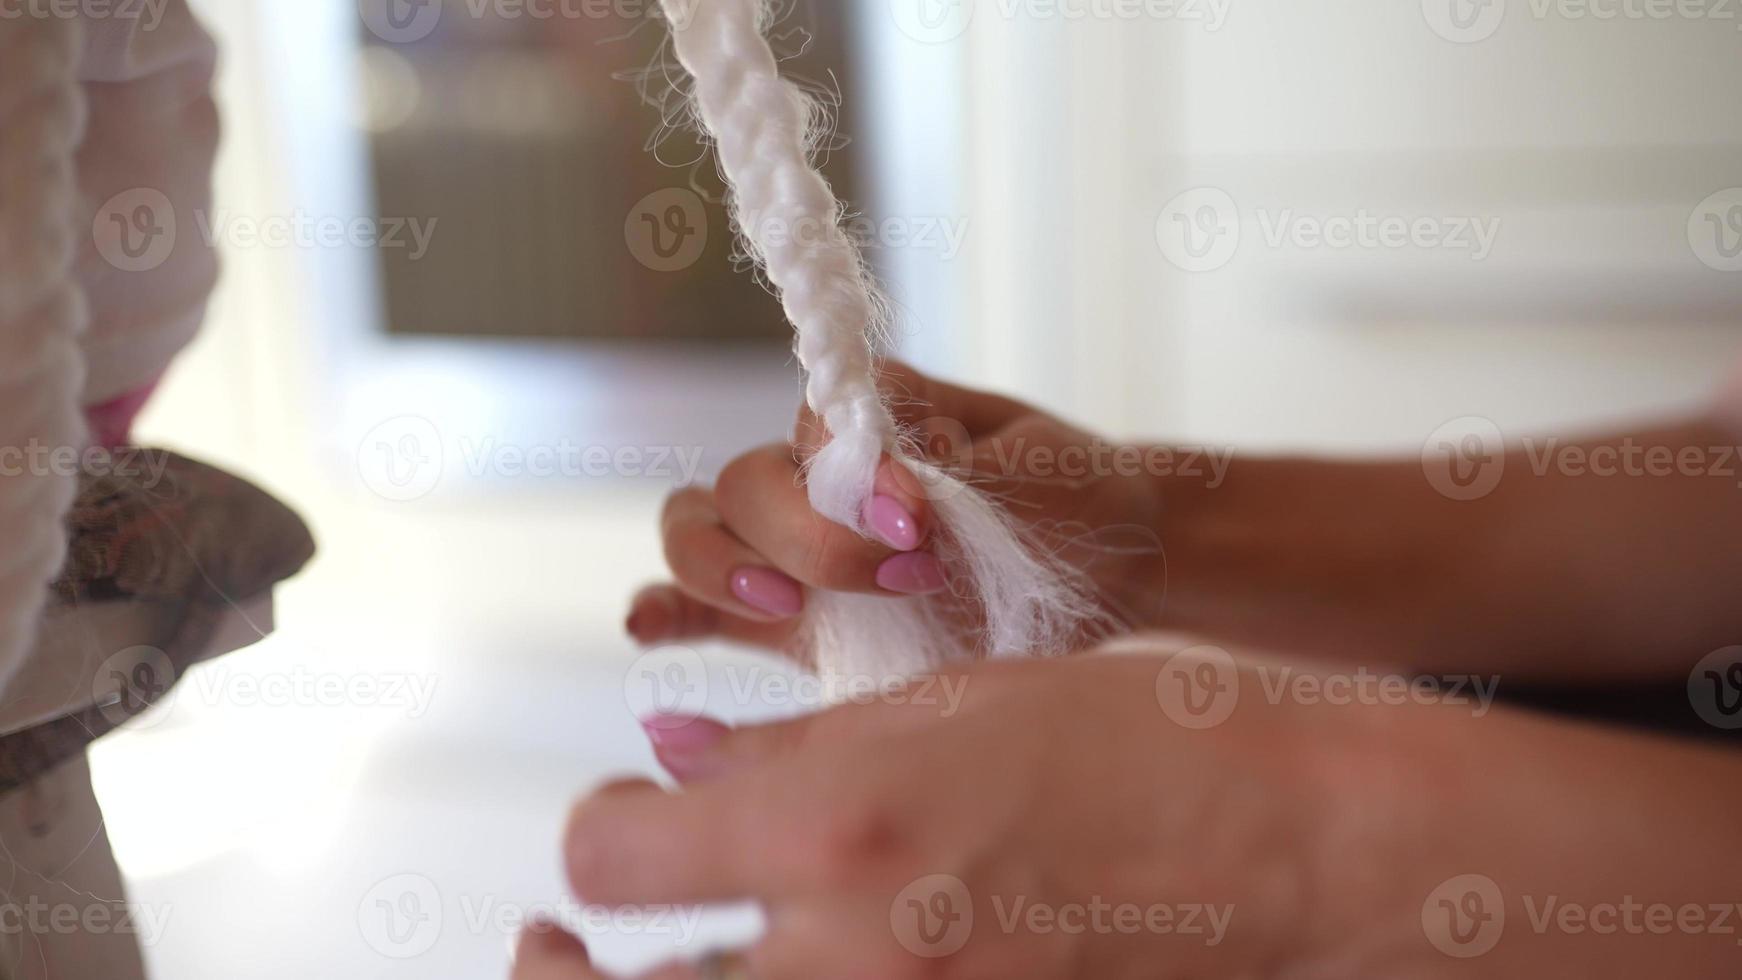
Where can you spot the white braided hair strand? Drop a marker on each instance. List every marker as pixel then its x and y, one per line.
pixel 41 312
pixel 763 128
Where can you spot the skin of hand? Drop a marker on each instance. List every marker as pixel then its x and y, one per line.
pixel 745 552
pixel 1569 569
pixel 1555 575
pixel 1092 834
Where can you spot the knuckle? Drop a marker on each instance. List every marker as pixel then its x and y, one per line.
pixel 857 842
pixel 587 864
pixel 747 478
pixel 682 506
pixel 830 557
pixel 681 546
pixel 734 476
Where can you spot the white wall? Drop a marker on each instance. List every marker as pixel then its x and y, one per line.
pixel 1587 146
pixel 1060 143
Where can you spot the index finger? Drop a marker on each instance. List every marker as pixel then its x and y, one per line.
pixel 718 843
pixel 775 832
pixel 545 952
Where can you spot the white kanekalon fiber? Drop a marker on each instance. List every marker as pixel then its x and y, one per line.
pixel 764 129
pixel 41 314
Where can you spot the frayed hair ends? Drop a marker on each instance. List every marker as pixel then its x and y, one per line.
pixel 764 129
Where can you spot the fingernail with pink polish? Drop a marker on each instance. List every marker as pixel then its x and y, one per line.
pixel 915 573
pixel 891 523
pixel 684 747
pixel 769 591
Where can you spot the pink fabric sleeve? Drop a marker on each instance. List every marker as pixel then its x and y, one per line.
pixel 1726 409
pixel 145 174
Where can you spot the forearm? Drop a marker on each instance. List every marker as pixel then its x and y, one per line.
pixel 1530 847
pixel 1576 563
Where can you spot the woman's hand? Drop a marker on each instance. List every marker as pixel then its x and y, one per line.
pixel 1042 820
pixel 1130 816
pixel 545 952
pixel 745 552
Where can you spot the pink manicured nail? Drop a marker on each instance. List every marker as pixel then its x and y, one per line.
pixel 915 573
pixel 891 523
pixel 683 733
pixel 769 591
pixel 683 747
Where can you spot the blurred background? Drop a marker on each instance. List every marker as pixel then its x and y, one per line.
pixel 482 311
